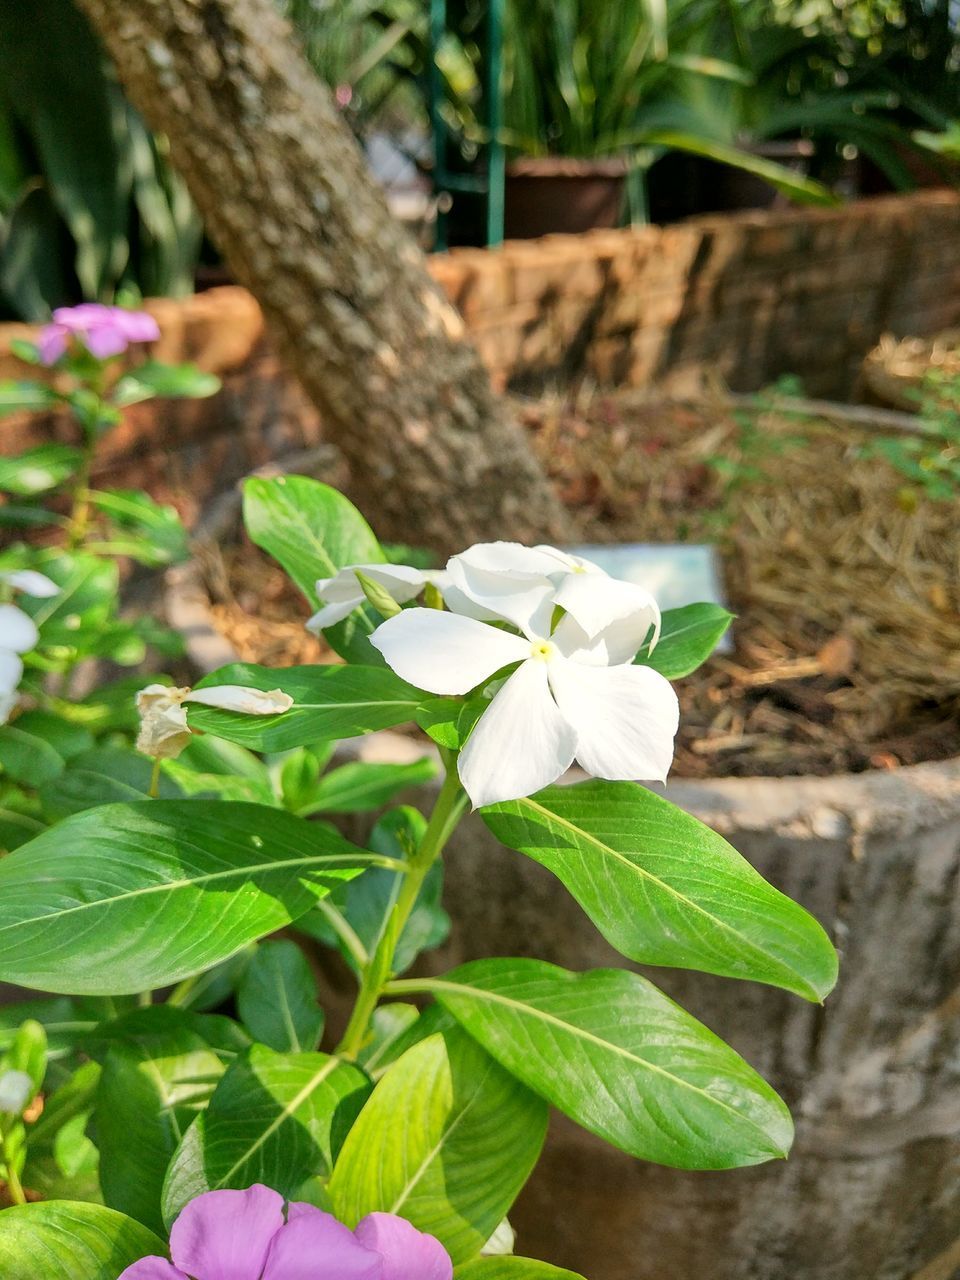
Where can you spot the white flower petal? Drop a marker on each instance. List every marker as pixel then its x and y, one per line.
pixel 443 652
pixel 510 558
pixel 330 614
pixel 520 744
pixel 18 631
pixel 458 601
pixel 625 718
pixel 343 593
pixel 249 702
pixel 510 581
pixel 11 670
pixel 31 582
pixel 601 604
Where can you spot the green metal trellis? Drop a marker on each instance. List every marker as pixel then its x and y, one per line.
pixel 488 184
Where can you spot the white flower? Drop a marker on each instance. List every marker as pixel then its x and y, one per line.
pixel 18 633
pixel 163 718
pixel 575 694
pixel 524 586
pixel 343 593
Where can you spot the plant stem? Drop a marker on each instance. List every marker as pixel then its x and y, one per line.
pixel 347 934
pixel 447 812
pixel 154 791
pixel 14 1186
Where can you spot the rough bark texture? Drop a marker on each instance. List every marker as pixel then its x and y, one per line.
pixel 871 1190
pixel 285 193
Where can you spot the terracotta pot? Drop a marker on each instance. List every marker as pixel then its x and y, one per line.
pixel 549 195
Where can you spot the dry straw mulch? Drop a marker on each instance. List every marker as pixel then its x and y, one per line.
pixel 848 638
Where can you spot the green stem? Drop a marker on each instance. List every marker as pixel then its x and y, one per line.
pixel 182 992
pixel 345 931
pixel 447 812
pixel 80 509
pixel 154 790
pixel 14 1185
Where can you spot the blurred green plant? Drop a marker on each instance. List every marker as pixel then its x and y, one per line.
pixel 929 460
pixel 876 78
pixel 89 205
pixel 589 78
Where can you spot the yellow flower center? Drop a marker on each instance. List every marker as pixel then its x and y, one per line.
pixel 542 650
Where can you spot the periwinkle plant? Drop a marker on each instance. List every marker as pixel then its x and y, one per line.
pixel 516 662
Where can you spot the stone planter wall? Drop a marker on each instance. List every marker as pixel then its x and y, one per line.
pixel 747 296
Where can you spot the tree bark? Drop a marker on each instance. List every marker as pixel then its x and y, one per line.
pixel 286 195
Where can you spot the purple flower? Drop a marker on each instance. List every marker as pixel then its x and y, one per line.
pixel 104 331
pixel 242 1235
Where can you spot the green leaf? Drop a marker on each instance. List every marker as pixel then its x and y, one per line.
pixel 274 1118
pixel 28 352
pixel 16 396
pixel 28 758
pixel 613 1053
pixel 38 470
pixel 102 775
pixel 512 1269
pixel 159 536
pixel 64 1021
pixel 389 1023
pixel 66 737
pixel 277 999
pixel 87 599
pixel 27 1052
pixel 664 889
pixel 447 1140
pixel 313 531
pixel 158 1074
pixel 328 702
pixel 359 787
pixel 172 381
pixel 74 1153
pixel 130 897
pixel 75 1241
pixel 688 637
pixel 17 828
pixel 449 721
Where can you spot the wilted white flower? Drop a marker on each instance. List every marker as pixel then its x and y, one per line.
pixel 164 731
pixel 343 593
pixel 18 633
pixel 576 693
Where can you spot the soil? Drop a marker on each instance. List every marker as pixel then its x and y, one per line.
pixel 845 583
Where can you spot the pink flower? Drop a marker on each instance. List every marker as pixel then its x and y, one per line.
pixel 242 1235
pixel 104 331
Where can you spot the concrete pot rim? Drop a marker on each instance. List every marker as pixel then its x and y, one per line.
pixel 846 807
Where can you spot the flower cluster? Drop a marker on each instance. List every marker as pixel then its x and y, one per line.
pixel 245 1235
pixel 18 633
pixel 564 634
pixel 104 331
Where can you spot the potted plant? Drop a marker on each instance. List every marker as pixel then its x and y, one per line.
pixel 588 105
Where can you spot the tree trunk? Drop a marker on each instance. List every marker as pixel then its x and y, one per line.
pixel 285 194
